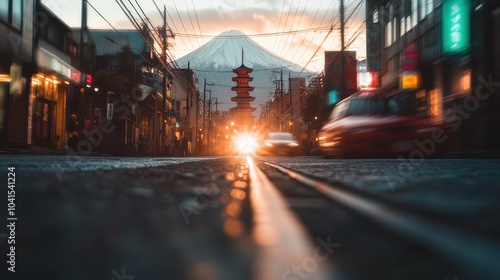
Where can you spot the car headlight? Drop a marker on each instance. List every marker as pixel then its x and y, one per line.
pixel 293 144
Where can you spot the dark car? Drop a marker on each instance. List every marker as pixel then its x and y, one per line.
pixel 279 144
pixel 367 125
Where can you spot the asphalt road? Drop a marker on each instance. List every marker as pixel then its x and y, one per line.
pixel 190 218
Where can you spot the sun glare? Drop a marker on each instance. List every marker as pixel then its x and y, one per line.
pixel 246 143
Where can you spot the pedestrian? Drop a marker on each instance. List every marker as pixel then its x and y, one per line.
pixel 184 147
pixel 176 146
pixel 72 129
pixel 166 145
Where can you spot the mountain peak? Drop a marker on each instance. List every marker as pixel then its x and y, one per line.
pixel 223 52
pixel 232 33
pixel 216 60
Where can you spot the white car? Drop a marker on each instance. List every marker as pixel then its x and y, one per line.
pixel 279 144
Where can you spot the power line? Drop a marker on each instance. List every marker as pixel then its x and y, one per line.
pixel 321 28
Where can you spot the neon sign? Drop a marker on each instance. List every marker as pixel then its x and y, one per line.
pixel 456 26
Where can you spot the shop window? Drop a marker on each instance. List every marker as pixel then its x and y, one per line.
pixel 145 127
pixel 430 6
pixel 4 10
pixel 465 81
pixel 423 11
pixel 435 104
pixel 387 34
pixel 11 12
pixel 17 13
pixel 395 35
pixel 414 13
pixel 403 27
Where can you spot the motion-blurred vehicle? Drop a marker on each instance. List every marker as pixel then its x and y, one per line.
pixel 279 144
pixel 367 125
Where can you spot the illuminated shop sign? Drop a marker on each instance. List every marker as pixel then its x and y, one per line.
pixel 49 61
pixel 88 80
pixel 410 80
pixel 368 80
pixel 456 26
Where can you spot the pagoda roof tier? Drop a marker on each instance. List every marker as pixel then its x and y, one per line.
pixel 243 109
pixel 242 105
pixel 243 68
pixel 240 88
pixel 239 78
pixel 243 98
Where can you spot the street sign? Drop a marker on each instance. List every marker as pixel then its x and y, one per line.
pixel 109 114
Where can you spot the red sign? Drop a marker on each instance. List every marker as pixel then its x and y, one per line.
pixel 88 81
pixel 75 75
pixel 333 72
pixel 410 58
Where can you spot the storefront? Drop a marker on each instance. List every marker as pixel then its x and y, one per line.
pixel 52 89
pixel 14 76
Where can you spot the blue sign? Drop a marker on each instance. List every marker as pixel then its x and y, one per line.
pixel 333 97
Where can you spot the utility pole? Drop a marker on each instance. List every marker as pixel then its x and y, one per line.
pixel 203 115
pixel 290 109
pixel 205 84
pixel 164 80
pixel 281 100
pixel 83 62
pixel 209 134
pixel 214 128
pixel 188 95
pixel 342 48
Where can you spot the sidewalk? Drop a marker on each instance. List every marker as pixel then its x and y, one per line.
pixel 35 150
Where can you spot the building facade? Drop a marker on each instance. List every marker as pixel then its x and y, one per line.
pixel 186 109
pixel 55 91
pixel 17 65
pixel 40 80
pixel 442 54
pixel 134 94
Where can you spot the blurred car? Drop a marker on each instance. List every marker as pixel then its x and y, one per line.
pixel 367 125
pixel 279 144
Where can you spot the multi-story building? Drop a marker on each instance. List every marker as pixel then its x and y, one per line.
pixel 17 52
pixel 40 80
pixel 55 91
pixel 443 55
pixel 142 104
pixel 186 109
pixel 296 123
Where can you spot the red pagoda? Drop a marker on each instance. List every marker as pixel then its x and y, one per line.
pixel 243 112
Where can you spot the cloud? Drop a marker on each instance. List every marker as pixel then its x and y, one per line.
pixel 260 19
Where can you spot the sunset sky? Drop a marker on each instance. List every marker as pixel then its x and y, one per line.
pixel 270 23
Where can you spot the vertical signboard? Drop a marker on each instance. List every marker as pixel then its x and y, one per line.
pixel 372 47
pixel 333 73
pixel 456 26
pixel 373 35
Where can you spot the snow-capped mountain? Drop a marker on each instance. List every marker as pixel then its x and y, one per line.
pixel 215 60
